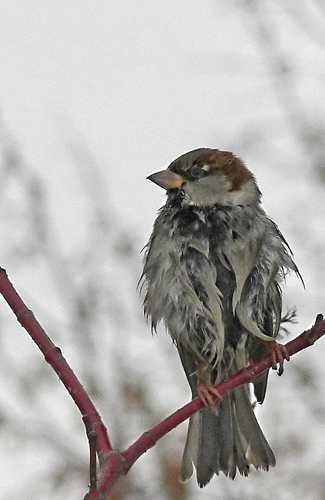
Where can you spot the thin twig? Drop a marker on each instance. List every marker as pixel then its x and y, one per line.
pixel 92 440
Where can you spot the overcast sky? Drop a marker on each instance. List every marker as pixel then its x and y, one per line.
pixel 141 82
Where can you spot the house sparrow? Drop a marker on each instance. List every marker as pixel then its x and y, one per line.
pixel 212 272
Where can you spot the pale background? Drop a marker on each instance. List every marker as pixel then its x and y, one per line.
pixel 95 96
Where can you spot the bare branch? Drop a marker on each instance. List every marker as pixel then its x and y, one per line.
pixel 113 463
pixel 53 356
pixel 244 376
pixel 121 463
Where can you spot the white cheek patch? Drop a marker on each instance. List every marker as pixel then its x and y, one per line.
pixel 206 168
pixel 207 191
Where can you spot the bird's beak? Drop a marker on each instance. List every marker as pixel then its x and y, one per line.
pixel 167 179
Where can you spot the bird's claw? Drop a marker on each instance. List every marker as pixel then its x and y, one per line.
pixel 206 392
pixel 279 354
pixel 208 395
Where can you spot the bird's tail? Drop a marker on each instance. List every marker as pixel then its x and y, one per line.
pixel 225 442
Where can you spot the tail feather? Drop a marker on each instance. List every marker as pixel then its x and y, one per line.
pixel 226 442
pixel 240 459
pixel 208 449
pixel 190 454
pixel 226 434
pixel 232 452
pixel 258 452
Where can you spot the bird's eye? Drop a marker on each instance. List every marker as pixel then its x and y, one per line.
pixel 196 172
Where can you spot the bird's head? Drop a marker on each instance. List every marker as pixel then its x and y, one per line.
pixel 207 177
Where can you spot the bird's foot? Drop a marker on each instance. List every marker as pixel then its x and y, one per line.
pixel 207 393
pixel 278 354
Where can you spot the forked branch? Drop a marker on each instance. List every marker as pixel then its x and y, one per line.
pixel 113 463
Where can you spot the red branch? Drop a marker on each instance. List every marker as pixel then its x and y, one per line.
pixel 114 463
pixel 121 462
pixel 54 357
pixel 244 376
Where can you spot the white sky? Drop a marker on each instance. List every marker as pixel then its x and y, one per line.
pixel 142 82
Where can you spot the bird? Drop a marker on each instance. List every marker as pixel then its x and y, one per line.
pixel 213 273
